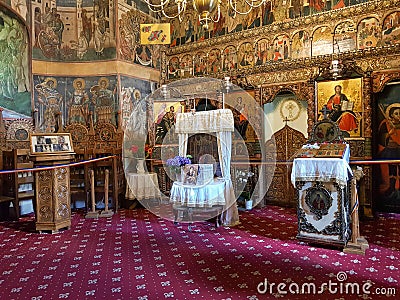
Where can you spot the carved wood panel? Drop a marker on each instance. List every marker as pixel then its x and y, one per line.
pixel 281 190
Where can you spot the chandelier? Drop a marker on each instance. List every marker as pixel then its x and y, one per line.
pixel 207 10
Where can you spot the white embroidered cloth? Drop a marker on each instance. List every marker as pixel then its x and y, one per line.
pixel 204 121
pixel 206 195
pixel 321 169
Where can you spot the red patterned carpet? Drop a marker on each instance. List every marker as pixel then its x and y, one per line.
pixel 136 255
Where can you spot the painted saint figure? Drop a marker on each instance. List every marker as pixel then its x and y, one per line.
pixel 341 113
pixel 389 148
pixel 103 98
pixel 49 104
pixel 166 124
pixel 78 110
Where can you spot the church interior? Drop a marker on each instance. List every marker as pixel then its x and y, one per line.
pixel 206 149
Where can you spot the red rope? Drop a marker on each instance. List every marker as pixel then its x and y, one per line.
pixel 57 166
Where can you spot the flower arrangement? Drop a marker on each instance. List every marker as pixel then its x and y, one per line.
pixel 141 151
pixel 179 161
pixel 138 151
pixel 175 164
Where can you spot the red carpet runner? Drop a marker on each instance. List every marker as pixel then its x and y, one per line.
pixel 136 255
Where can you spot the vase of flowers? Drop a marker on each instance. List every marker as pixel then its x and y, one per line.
pixel 138 152
pixel 175 165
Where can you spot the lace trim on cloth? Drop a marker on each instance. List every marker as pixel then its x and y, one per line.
pixel 204 121
pixel 321 169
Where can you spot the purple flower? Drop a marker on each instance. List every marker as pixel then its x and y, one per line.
pixel 178 161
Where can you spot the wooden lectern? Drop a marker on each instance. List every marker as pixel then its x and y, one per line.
pixel 50 153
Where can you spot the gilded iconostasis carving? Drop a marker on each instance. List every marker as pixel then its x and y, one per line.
pixel 333 31
pixel 271 12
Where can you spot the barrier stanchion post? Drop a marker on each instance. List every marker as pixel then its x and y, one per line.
pixel 106 212
pixel 93 214
pixel 358 244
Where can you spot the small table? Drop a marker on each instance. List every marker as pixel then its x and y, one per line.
pixel 198 199
pixel 142 186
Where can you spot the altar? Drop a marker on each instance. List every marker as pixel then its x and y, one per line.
pixel 321 175
pixel 215 197
pixel 205 200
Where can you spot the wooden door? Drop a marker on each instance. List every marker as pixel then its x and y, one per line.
pixel 281 191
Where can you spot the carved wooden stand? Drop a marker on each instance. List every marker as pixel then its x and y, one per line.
pixel 53 198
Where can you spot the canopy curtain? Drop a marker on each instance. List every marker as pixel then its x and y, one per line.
pixel 220 122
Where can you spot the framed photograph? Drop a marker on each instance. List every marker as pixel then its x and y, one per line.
pixel 190 174
pixel 51 143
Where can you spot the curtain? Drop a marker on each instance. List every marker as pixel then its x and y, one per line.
pixel 230 216
pixel 183 140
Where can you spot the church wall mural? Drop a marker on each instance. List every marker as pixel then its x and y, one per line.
pixel 129 47
pixel 15 81
pixel 19 6
pixel 79 31
pixel 73 30
pixel 133 91
pixel 76 98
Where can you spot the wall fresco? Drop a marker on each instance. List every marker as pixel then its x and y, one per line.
pixel 15 81
pixel 73 30
pixel 132 94
pixel 129 48
pixel 75 99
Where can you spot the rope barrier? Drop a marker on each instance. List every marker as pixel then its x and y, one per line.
pixel 351 162
pixel 57 166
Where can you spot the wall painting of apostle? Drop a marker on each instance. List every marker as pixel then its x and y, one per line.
pixel 388 148
pixel 164 121
pixel 344 100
